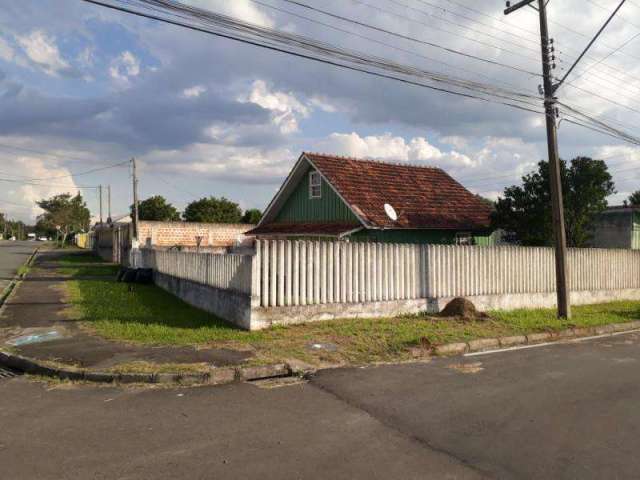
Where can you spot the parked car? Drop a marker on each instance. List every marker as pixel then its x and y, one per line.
pixel 43 239
pixel 13 239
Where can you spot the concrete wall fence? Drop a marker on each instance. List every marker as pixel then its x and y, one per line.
pixel 289 281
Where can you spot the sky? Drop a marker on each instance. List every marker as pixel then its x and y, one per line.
pixel 83 87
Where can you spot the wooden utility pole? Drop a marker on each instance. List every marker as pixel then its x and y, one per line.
pixel 135 202
pixel 555 179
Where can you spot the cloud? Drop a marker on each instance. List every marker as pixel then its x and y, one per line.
pixel 6 51
pixel 22 197
pixel 123 67
pixel 285 107
pixel 42 51
pixel 393 148
pixel 230 163
pixel 194 91
pixel 243 9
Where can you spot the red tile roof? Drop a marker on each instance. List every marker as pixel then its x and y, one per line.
pixel 423 197
pixel 333 229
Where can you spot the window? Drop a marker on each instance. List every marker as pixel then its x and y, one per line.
pixel 315 185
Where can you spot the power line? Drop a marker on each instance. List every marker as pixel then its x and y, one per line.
pixel 503 21
pixel 600 78
pixel 378 42
pixel 406 37
pixel 356 60
pixel 24 182
pixel 304 47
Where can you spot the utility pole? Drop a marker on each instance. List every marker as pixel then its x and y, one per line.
pixel 135 203
pixel 108 203
pixel 100 193
pixel 557 207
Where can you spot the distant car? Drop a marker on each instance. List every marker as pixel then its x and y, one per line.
pixel 13 239
pixel 43 239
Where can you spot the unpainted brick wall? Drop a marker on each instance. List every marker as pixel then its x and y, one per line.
pixel 168 234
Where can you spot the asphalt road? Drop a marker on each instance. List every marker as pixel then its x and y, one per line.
pixel 564 411
pixel 12 256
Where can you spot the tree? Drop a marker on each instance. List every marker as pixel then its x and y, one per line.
pixel 526 210
pixel 213 210
pixel 157 208
pixel 252 216
pixel 634 199
pixel 65 214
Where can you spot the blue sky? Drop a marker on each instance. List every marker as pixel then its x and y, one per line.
pixel 82 87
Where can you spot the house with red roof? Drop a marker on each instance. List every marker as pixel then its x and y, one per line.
pixel 333 197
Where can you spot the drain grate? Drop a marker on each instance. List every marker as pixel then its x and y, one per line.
pixel 6 373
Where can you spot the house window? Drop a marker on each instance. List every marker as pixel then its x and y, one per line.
pixel 315 185
pixel 464 238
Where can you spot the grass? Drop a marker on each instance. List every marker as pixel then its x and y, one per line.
pixel 89 271
pixel 24 269
pixel 75 258
pixel 150 315
pixel 85 264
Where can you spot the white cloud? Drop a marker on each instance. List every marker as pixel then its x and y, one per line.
pixel 242 9
pixel 23 197
pixel 42 50
pixel 123 67
pixel 194 91
pixel 285 107
pixel 393 148
pixel 6 52
pixel 224 162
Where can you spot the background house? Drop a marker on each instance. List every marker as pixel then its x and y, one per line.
pixel 336 197
pixel 617 227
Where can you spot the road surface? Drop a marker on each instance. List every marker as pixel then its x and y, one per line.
pixel 12 256
pixel 563 411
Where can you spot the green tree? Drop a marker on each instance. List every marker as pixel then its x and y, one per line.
pixel 213 210
pixel 157 208
pixel 634 199
pixel 526 210
pixel 252 216
pixel 65 214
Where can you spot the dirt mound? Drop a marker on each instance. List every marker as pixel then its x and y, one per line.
pixel 462 308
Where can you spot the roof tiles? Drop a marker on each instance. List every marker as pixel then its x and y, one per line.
pixel 423 197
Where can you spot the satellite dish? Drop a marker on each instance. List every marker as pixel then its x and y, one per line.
pixel 391 212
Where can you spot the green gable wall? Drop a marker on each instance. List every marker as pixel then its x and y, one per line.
pixel 405 236
pixel 442 237
pixel 300 208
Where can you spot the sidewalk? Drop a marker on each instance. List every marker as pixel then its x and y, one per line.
pixel 38 308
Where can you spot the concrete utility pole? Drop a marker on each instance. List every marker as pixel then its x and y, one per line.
pixel 555 179
pixel 100 201
pixel 108 203
pixel 557 207
pixel 135 203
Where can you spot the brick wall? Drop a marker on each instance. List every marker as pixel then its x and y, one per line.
pixel 214 235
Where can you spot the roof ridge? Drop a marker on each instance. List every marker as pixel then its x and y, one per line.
pixel 373 160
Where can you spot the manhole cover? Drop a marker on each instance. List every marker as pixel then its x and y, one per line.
pixel 6 373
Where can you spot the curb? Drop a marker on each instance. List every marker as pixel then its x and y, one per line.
pixel 6 293
pixel 216 376
pixel 484 344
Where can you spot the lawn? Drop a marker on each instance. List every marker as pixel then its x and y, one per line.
pixel 84 264
pixel 147 314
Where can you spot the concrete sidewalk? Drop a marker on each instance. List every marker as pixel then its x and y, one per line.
pixel 38 307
